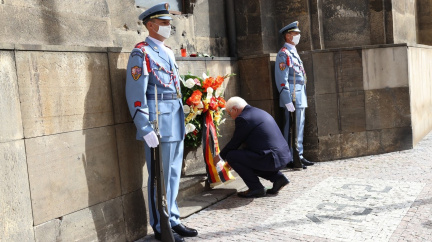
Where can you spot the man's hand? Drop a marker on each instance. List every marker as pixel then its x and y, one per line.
pixel 290 107
pixel 216 159
pixel 151 139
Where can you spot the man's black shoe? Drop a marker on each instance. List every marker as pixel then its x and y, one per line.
pixel 291 166
pixel 306 162
pixel 185 231
pixel 177 237
pixel 253 193
pixel 278 185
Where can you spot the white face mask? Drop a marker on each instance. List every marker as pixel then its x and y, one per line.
pixel 164 31
pixel 296 39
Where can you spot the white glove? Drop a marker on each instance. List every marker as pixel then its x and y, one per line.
pixel 290 107
pixel 151 139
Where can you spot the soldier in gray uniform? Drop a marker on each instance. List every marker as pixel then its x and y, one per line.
pixel 152 64
pixel 288 64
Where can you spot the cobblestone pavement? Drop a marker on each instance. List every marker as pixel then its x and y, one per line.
pixel 374 198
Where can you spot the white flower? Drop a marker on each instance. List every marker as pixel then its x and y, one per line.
pixel 222 121
pixel 186 109
pixel 190 128
pixel 200 105
pixel 205 76
pixel 209 93
pixel 189 83
pixel 219 92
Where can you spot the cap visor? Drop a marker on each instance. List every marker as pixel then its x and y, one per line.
pixel 165 17
pixel 294 30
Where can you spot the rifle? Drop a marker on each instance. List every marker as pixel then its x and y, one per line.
pixel 159 182
pixel 293 129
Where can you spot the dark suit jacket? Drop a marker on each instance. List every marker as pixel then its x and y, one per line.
pixel 258 131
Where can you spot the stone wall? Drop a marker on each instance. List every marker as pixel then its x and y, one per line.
pixel 72 169
pixel 330 23
pixel 424 19
pixel 360 100
pixel 420 76
pixel 108 23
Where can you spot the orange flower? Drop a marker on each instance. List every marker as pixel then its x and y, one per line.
pixel 217 83
pixel 207 83
pixel 195 98
pixel 221 102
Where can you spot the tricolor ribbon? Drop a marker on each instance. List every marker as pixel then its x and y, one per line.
pixel 210 149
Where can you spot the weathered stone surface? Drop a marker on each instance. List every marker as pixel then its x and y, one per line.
pixel 311 126
pixel 102 222
pixel 193 162
pixel 388 140
pixel 352 111
pixel 249 45
pixel 385 68
pixel 71 171
pixel 16 222
pixel 269 29
pixel 197 67
pixel 327 114
pixel 346 23
pixel 10 119
pixel 329 147
pixel 133 166
pixel 135 214
pixel 311 148
pixel 420 60
pixel 377 14
pixel 184 33
pixel 404 21
pixel 424 18
pixel 55 22
pixel 125 28
pixel 118 65
pixel 387 108
pixel 324 73
pixel 354 144
pixel 63 91
pixel 349 70
pixel 255 73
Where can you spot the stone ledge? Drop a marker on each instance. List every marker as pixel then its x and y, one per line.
pixel 6 46
pixel 363 47
pixel 205 198
pixel 59 48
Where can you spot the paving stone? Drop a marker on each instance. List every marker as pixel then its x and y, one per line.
pixel 371 198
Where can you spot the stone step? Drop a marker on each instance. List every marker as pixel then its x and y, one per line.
pixel 195 196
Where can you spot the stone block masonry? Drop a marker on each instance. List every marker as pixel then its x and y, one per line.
pixel 72 168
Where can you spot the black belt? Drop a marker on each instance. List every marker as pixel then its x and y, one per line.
pixel 163 96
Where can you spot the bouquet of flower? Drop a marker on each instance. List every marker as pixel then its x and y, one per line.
pixel 203 105
pixel 201 95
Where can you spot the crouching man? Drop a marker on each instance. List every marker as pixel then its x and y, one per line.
pixel 265 150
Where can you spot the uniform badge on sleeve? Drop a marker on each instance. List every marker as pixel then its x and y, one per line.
pixel 282 66
pixel 136 72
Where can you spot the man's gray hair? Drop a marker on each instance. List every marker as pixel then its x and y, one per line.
pixel 237 102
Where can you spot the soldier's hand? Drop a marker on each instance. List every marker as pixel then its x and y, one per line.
pixel 151 139
pixel 290 107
